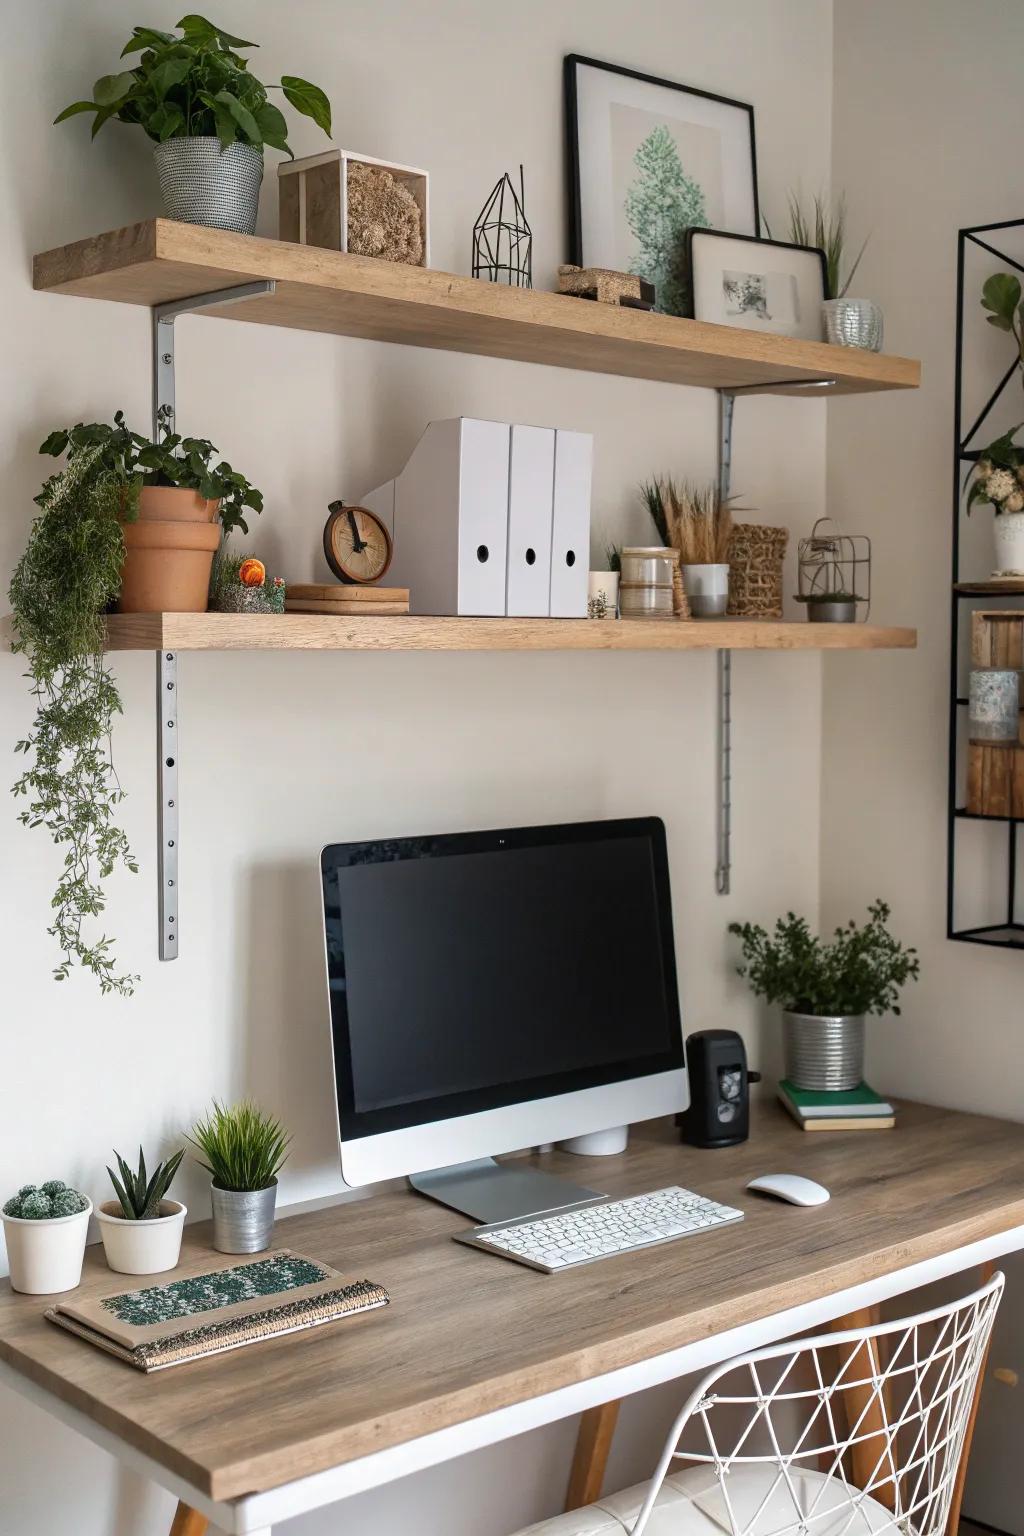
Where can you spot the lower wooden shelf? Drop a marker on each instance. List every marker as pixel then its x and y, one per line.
pixel 325 632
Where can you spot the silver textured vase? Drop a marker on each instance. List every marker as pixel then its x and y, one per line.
pixel 204 183
pixel 243 1219
pixel 821 1053
pixel 853 323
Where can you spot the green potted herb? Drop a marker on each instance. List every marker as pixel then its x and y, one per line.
pixel 243 1149
pixel 826 989
pixel 141 1229
pixel 45 1227
pixel 68 576
pixel 209 118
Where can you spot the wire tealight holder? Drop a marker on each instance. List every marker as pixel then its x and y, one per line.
pixel 502 238
pixel 834 572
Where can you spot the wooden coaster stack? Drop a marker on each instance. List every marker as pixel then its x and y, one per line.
pixel 348 601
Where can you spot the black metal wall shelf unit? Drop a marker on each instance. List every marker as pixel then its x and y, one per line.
pixel 968 444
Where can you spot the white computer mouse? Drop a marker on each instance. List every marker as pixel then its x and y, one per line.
pixel 790 1186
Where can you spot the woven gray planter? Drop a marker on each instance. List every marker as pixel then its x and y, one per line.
pixel 853 323
pixel 823 1054
pixel 243 1220
pixel 203 183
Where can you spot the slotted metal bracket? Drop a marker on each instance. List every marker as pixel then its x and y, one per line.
pixel 723 678
pixel 167 748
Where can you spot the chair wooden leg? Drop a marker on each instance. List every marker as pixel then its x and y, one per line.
pixel 188 1521
pixel 593 1443
pixel 862 1407
pixel 953 1523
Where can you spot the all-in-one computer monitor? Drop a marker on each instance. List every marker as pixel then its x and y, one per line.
pixel 491 991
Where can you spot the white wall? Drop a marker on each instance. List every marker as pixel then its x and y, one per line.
pixel 281 753
pixel 926 140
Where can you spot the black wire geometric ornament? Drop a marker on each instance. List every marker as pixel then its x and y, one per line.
pixel 502 239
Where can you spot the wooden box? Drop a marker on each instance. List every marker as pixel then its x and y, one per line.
pixel 313 198
pixel 995 778
pixel 997 638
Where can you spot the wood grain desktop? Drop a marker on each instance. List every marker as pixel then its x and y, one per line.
pixel 467 1332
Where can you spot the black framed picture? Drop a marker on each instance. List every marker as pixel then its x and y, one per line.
pixel 649 159
pixel 756 285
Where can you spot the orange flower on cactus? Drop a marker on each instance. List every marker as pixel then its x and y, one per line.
pixel 252 573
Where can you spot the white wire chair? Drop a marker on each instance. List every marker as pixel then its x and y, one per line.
pixel 772 1452
pixel 817 1437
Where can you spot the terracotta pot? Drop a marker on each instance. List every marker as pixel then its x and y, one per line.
pixel 171 504
pixel 167 567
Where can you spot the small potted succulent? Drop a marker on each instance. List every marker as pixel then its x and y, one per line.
pixel 825 990
pixel 141 1229
pixel 208 117
pixel 45 1226
pixel 243 1149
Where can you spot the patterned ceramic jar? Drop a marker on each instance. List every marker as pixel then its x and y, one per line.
pixel 994 704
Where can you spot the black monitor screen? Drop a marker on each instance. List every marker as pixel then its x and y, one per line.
pixel 475 970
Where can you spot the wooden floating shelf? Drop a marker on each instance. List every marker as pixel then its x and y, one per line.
pixel 319 290
pixel 326 632
pixel 989 588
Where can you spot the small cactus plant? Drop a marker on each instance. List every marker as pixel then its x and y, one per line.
pixel 45 1202
pixel 138 1195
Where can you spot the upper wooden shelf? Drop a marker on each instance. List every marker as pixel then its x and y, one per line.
pixel 321 290
pixel 325 632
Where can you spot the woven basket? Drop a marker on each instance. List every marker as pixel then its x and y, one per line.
pixel 755 571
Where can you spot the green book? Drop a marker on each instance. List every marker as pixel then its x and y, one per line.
pixel 861 1103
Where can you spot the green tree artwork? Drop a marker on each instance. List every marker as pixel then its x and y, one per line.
pixel 661 204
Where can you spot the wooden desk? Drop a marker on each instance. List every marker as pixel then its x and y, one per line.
pixel 475 1349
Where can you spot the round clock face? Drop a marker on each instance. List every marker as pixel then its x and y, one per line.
pixel 356 543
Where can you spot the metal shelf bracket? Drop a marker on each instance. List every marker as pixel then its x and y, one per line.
pixel 167 749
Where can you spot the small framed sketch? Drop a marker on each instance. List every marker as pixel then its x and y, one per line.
pixel 649 159
pixel 756 285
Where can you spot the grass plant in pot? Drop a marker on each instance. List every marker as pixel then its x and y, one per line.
pixel 242 1149
pixel 695 520
pixel 826 988
pixel 847 322
pixel 45 1227
pixel 141 1229
pixel 193 95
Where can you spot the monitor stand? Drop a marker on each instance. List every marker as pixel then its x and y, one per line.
pixel 488 1191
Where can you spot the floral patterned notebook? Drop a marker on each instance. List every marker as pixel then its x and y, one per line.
pixel 209 1311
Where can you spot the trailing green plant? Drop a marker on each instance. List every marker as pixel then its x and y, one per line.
pixel 140 1195
pixel 187 462
pixel 69 574
pixel 861 971
pixel 44 1202
pixel 998 476
pixel 824 228
pixel 244 1147
pixel 198 85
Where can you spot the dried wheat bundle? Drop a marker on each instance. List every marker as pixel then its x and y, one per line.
pixel 690 516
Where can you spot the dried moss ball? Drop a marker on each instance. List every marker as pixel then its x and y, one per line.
pixel 36 1206
pixel 52 1199
pixel 54 1187
pixel 66 1202
pixel 383 216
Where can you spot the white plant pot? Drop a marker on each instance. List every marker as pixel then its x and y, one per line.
pixel 1008 533
pixel 707 590
pixel 142 1247
pixel 46 1256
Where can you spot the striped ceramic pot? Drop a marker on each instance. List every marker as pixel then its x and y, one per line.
pixel 823 1053
pixel 204 183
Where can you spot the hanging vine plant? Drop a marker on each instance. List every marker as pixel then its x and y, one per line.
pixel 65 581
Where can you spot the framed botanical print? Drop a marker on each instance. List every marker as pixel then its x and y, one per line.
pixel 757 285
pixel 648 160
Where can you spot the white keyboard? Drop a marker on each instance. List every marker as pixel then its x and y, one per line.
pixel 581 1234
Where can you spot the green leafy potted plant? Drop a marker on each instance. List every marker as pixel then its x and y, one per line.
pixel 68 576
pixel 45 1227
pixel 997 480
pixel 141 1229
pixel 243 1149
pixel 209 118
pixel 826 989
pixel 848 322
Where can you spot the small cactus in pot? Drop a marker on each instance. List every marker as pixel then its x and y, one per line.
pixel 45 1227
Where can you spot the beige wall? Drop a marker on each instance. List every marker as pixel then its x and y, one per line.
pixel 281 753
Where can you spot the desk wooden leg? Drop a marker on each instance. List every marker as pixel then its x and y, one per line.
pixel 593 1443
pixel 188 1521
pixel 952 1524
pixel 863 1408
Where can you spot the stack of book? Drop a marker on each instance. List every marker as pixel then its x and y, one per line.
pixel 348 601
pixel 857 1109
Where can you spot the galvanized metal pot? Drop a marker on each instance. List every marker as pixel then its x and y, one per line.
pixel 204 183
pixel 853 323
pixel 243 1219
pixel 826 1054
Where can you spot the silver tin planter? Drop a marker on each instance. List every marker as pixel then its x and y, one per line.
pixel 825 1054
pixel 832 610
pixel 243 1219
pixel 853 323
pixel 204 183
